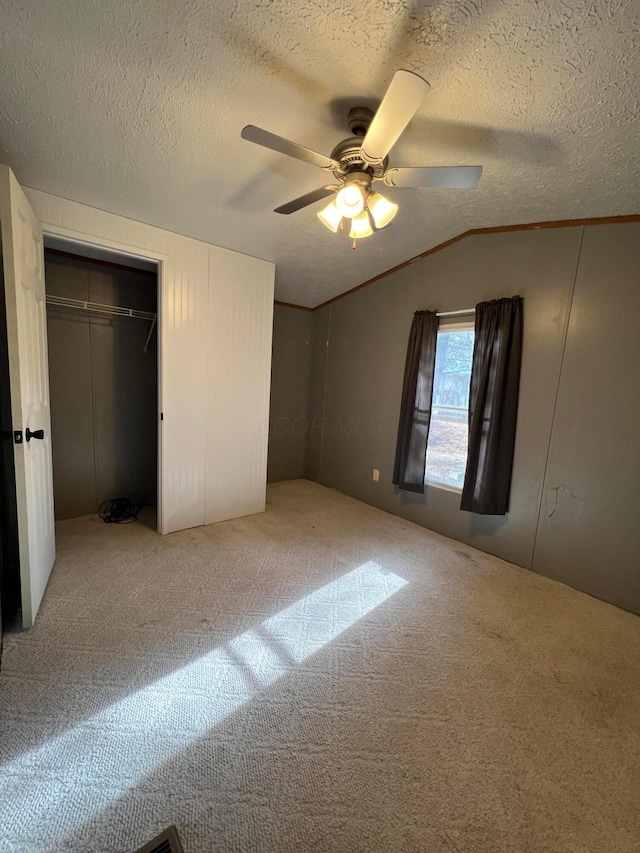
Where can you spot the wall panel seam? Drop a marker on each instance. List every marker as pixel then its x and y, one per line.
pixel 307 409
pixel 307 434
pixel 555 402
pixel 323 422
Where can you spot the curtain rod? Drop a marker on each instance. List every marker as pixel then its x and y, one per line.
pixel 455 313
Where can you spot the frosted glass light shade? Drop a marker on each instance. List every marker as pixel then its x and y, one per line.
pixel 361 226
pixel 331 217
pixel 381 209
pixel 350 201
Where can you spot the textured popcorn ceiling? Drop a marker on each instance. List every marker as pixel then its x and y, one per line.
pixel 136 107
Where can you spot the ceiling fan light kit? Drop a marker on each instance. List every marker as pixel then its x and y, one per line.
pixel 368 211
pixel 381 209
pixel 363 158
pixel 331 217
pixel 361 226
pixel 350 199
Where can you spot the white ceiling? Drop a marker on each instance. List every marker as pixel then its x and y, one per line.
pixel 136 107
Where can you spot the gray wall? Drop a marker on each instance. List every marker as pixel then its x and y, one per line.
pixel 317 390
pixel 289 391
pixel 589 531
pixel 357 363
pixel 103 387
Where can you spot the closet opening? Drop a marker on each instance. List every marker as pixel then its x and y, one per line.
pixel 102 330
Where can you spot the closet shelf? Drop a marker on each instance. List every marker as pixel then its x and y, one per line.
pixel 98 308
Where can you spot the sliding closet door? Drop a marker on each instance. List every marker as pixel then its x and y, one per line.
pixel 183 344
pixel 238 383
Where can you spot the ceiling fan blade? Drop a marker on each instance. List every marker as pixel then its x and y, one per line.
pixel 398 107
pixel 443 177
pixel 285 146
pixel 304 200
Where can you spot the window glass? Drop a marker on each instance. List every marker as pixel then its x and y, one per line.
pixel 448 433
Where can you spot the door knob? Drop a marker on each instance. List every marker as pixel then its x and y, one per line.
pixel 38 433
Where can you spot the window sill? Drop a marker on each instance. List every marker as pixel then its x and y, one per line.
pixel 445 488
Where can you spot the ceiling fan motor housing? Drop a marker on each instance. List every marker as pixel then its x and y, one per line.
pixel 359 178
pixel 359 119
pixel 347 153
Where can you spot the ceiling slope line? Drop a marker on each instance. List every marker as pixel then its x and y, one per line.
pixel 292 305
pixel 493 229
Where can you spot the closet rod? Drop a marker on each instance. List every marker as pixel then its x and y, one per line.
pixel 98 308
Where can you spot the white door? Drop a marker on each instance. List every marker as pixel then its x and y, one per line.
pixel 23 263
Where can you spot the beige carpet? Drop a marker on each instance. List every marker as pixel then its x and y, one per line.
pixel 322 677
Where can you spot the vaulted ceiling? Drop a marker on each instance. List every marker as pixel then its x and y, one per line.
pixel 136 107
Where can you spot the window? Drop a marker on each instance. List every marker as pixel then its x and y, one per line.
pixel 448 433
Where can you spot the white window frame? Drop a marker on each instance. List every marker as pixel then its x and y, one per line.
pixel 456 325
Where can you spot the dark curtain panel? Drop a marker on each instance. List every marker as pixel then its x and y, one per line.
pixel 493 406
pixel 415 410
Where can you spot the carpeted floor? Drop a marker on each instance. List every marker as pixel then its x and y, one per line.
pixel 321 677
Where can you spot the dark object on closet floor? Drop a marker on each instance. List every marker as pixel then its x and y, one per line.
pixel 119 510
pixel 166 842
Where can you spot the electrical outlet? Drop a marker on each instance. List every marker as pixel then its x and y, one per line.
pixel 376 475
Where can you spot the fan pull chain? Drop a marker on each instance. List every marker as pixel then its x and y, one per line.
pixel 354 245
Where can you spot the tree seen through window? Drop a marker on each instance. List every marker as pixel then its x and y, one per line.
pixel 448 434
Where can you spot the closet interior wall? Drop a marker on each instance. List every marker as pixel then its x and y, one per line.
pixel 103 386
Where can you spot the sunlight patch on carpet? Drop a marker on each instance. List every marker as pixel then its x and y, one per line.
pixel 72 778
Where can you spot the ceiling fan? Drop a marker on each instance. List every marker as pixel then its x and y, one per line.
pixel 362 159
